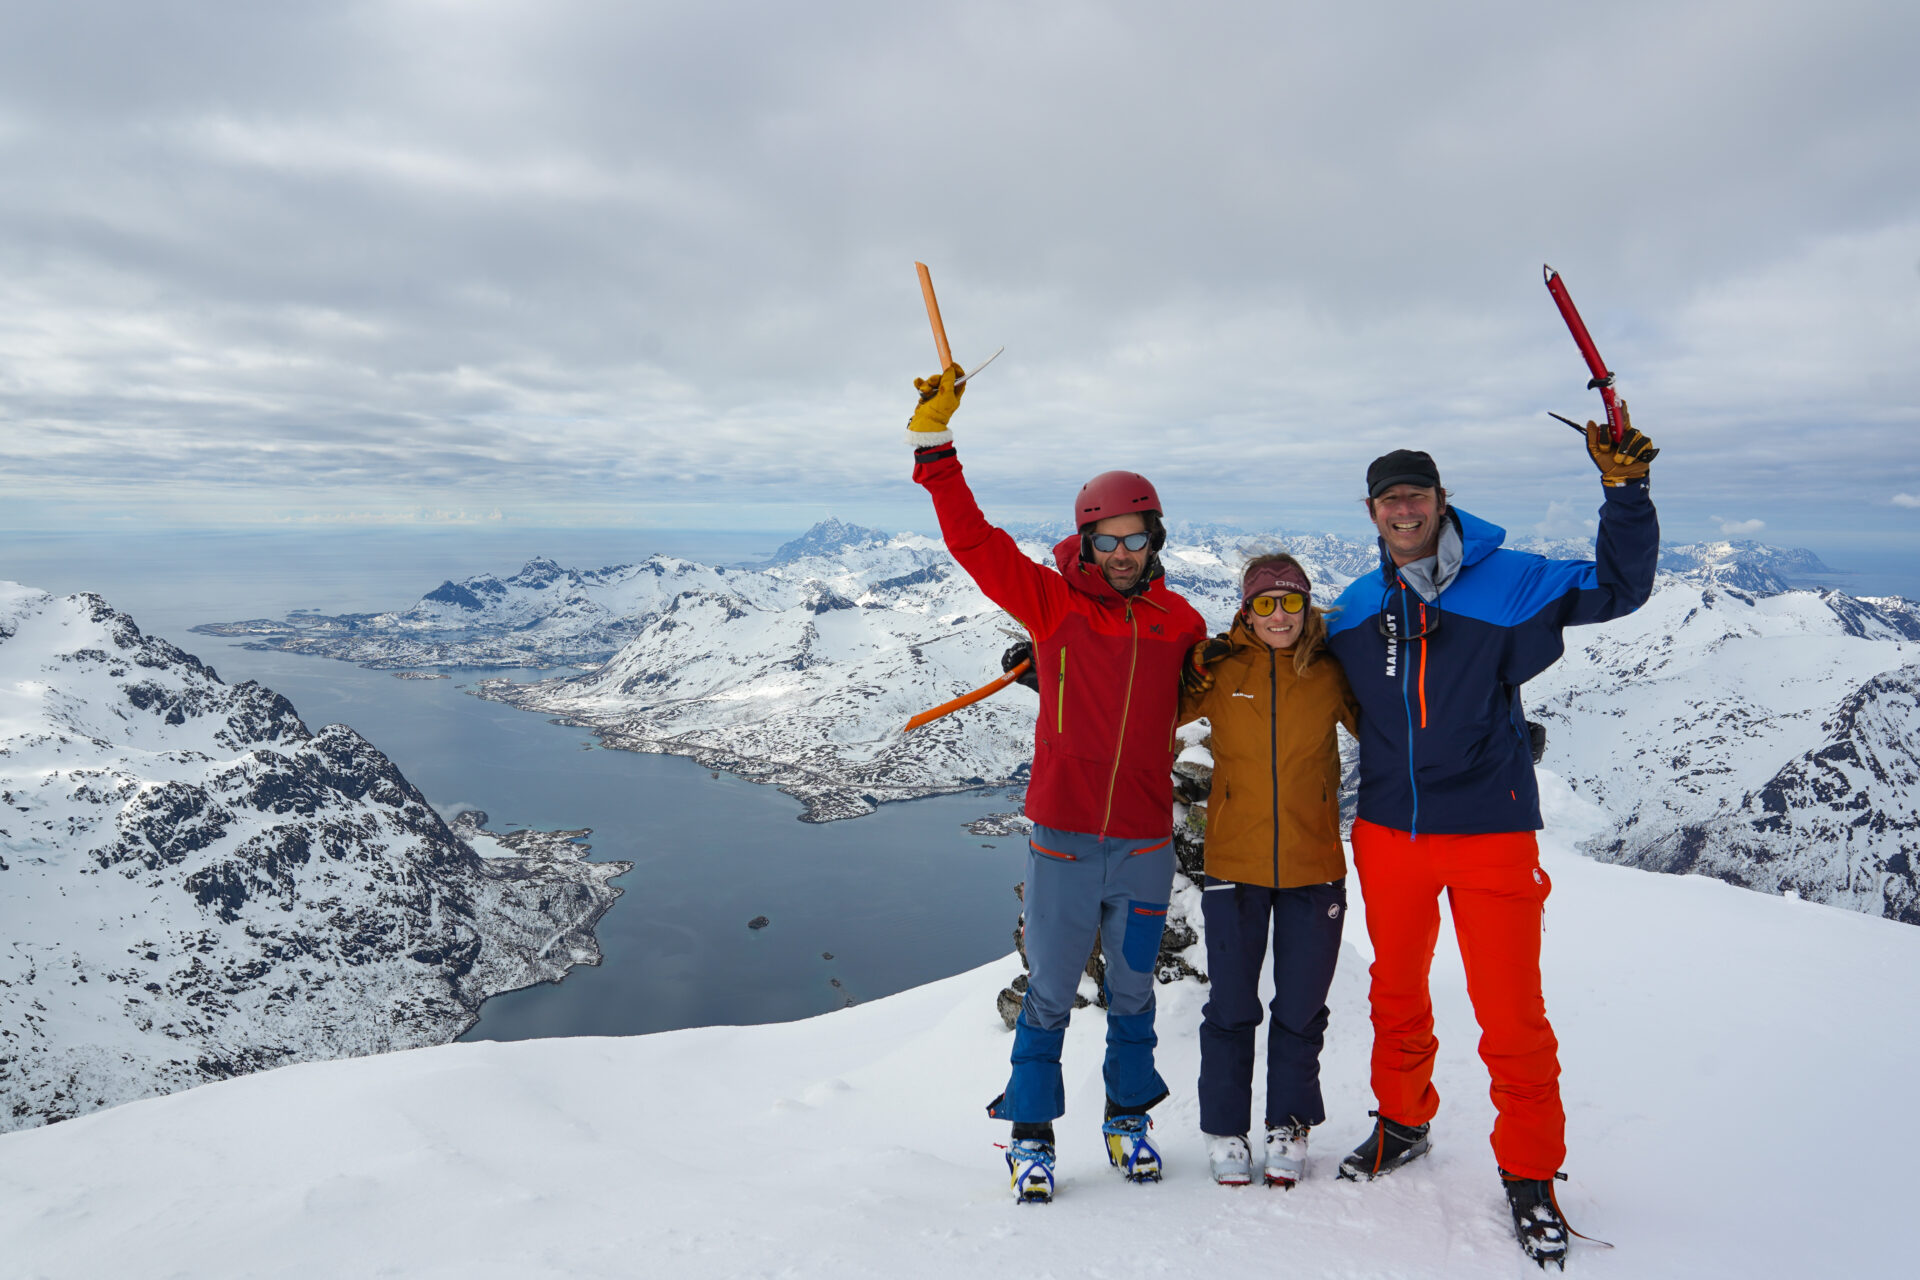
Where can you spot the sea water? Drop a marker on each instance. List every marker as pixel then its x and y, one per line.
pixel 855 909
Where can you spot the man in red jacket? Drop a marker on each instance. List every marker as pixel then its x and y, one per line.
pixel 1109 638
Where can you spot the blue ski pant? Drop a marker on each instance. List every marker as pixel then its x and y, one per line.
pixel 1306 925
pixel 1080 887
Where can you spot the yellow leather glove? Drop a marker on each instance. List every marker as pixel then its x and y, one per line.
pixel 1630 459
pixel 939 397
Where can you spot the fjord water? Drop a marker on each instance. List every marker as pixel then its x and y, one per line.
pixel 896 899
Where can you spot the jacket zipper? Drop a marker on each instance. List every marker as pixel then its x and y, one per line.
pixel 1060 697
pixel 1406 700
pixel 1113 779
pixel 1423 664
pixel 1273 752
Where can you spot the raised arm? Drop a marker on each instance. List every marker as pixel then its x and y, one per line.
pixel 1036 596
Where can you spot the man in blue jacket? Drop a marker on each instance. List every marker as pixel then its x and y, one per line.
pixel 1436 643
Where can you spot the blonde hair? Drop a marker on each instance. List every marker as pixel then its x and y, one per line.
pixel 1313 628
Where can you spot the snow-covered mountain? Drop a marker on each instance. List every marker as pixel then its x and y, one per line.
pixel 1766 740
pixel 830 537
pixel 542 616
pixel 1676 721
pixel 1694 1020
pixel 802 675
pixel 194 885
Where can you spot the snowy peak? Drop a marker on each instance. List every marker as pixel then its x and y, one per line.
pixel 76 666
pixel 827 538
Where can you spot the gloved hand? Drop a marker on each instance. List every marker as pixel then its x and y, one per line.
pixel 1197 676
pixel 1016 654
pixel 1627 460
pixel 1537 739
pixel 939 397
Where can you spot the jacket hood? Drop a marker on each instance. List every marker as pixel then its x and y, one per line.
pixel 1478 540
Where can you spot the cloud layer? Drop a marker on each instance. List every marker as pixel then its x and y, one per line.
pixel 654 262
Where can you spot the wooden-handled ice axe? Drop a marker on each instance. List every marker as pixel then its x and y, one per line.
pixel 940 346
pixel 968 699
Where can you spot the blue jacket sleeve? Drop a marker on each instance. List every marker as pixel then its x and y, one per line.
pixel 1551 595
pixel 1620 578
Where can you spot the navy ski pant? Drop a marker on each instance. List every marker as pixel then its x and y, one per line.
pixel 1306 924
pixel 1080 887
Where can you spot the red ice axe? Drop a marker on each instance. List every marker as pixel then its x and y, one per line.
pixel 1602 380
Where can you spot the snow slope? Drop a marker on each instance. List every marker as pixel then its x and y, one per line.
pixel 1731 1070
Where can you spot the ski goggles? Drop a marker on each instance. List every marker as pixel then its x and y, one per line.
pixel 1105 542
pixel 1292 602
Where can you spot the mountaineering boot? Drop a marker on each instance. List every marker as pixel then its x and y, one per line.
pixel 1129 1150
pixel 1390 1145
pixel 1286 1153
pixel 1536 1219
pixel 1030 1162
pixel 1230 1160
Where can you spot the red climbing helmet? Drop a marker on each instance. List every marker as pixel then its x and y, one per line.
pixel 1113 493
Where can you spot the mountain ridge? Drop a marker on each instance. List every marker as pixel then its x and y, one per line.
pixel 800 673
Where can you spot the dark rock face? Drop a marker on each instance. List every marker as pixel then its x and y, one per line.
pixel 453 593
pixel 209 888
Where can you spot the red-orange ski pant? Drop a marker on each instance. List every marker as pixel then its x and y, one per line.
pixel 1496 890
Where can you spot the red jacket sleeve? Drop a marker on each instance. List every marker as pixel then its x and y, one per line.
pixel 1035 595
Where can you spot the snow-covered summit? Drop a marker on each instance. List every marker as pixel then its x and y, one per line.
pixel 194 885
pixel 854 1145
pixel 827 538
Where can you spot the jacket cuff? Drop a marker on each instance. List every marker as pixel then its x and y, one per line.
pixel 933 452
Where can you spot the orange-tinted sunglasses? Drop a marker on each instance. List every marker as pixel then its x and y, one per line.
pixel 1292 602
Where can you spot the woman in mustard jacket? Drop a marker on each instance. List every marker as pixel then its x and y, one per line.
pixel 1273 855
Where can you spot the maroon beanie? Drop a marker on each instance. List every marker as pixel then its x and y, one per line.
pixel 1274 577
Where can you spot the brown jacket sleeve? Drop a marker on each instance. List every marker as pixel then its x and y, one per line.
pixel 1349 711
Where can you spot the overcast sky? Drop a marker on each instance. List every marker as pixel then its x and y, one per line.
pixel 653 263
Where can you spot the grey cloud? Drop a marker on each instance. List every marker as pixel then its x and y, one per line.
pixel 541 254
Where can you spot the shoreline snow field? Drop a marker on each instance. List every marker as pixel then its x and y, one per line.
pixel 1731 1060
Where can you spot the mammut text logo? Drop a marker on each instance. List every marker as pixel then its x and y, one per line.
pixel 1393 643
